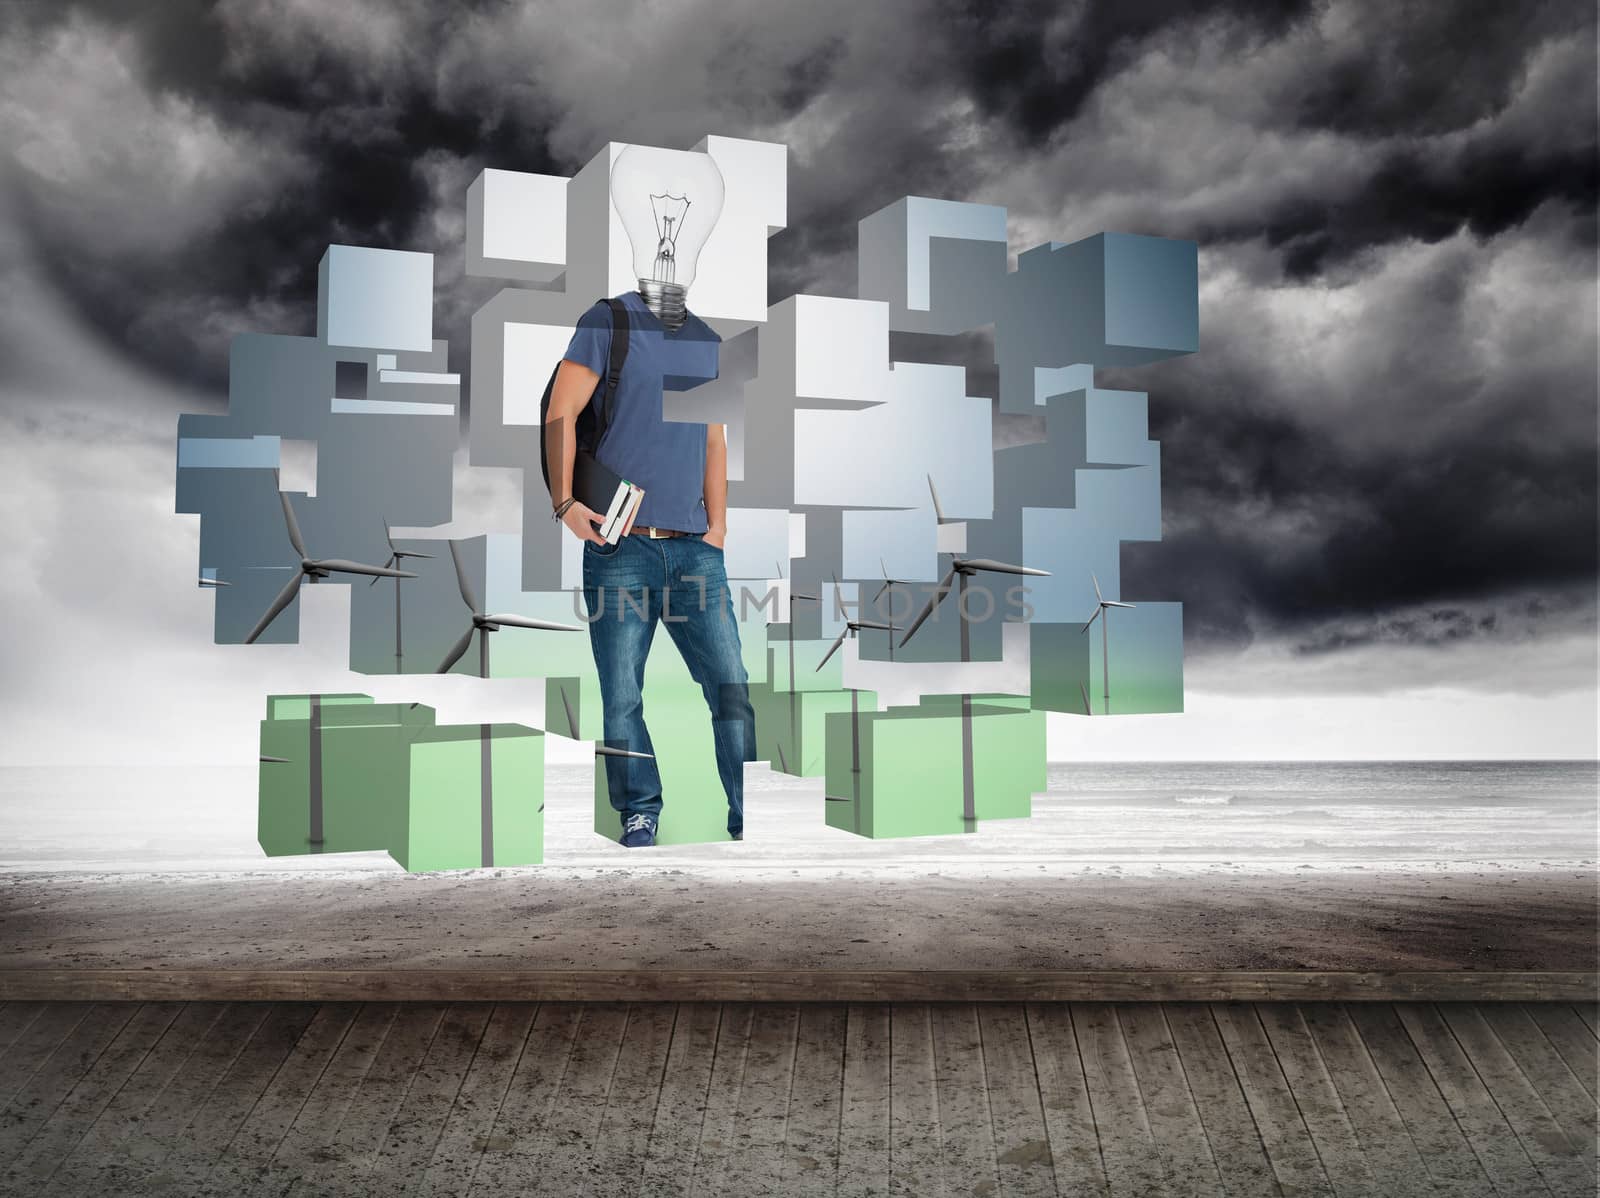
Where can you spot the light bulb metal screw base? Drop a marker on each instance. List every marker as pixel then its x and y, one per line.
pixel 666 300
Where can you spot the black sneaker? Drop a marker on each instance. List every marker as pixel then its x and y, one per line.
pixel 638 831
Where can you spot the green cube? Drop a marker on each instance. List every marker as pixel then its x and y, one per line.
pixel 343 776
pixel 461 813
pixel 911 766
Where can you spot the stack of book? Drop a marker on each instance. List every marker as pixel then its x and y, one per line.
pixel 606 492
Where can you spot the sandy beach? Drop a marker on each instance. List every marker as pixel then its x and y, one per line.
pixel 1141 916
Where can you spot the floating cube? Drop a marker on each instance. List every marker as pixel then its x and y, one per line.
pixel 911 766
pixel 475 798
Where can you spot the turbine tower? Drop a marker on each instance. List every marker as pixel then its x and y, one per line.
pixel 891 582
pixel 1105 636
pixel 793 730
pixel 851 627
pixel 395 555
pixel 960 569
pixel 313 568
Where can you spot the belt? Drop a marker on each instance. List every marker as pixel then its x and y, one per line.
pixel 647 530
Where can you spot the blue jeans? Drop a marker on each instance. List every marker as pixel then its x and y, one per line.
pixel 682 582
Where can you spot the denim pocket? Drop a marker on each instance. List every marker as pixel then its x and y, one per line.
pixel 600 549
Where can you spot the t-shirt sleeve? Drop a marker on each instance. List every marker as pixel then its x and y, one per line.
pixel 591 340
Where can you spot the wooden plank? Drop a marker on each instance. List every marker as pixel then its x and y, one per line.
pixel 966 1133
pixel 796 985
pixel 1385 1140
pixel 14 1020
pixel 62 1128
pixel 1231 1131
pixel 467 1134
pixel 161 1127
pixel 563 1160
pixel 864 1107
pixel 1572 1105
pixel 58 1072
pixel 418 1122
pixel 1445 1150
pixel 722 1118
pixel 621 1145
pixel 1284 1133
pixel 225 1108
pixel 1558 1158
pixel 1021 1143
pixel 247 1157
pixel 1127 1142
pixel 681 1107
pixel 1323 1112
pixel 811 1145
pixel 529 1101
pixel 1064 1094
pixel 103 1142
pixel 1570 1037
pixel 1503 1158
pixel 1168 1102
pixel 755 1162
pixel 33 1047
pixel 305 1141
pixel 1590 1014
pixel 915 1130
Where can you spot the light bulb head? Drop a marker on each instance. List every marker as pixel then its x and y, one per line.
pixel 669 201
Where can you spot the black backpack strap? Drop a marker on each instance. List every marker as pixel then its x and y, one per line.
pixel 619 354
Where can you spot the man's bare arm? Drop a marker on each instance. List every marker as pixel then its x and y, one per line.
pixel 569 395
pixel 716 484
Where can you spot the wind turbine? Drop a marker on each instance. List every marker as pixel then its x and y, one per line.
pixel 1105 634
pixel 851 627
pixel 890 582
pixel 483 625
pixel 315 569
pixel 960 569
pixel 395 555
pixel 794 733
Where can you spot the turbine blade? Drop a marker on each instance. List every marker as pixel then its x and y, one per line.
pixel 938 512
pixel 779 565
pixel 411 553
pixel 294 525
pixel 387 535
pixel 342 566
pixel 1088 708
pixel 572 716
pixel 1114 603
pixel 803 595
pixel 456 650
pixel 883 567
pixel 269 757
pixel 881 590
pixel 528 622
pixel 1098 596
pixel 781 762
pixel 988 563
pixel 939 593
pixel 387 563
pixel 1092 619
pixel 285 597
pixel 608 751
pixel 461 578
pixel 870 624
pixel 833 647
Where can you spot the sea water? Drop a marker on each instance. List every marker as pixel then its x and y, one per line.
pixel 1293 814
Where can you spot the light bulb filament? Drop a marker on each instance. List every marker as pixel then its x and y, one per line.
pixel 669 223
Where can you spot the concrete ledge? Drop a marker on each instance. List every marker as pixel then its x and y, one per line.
pixel 797 985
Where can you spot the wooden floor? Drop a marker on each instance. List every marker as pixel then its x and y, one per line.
pixel 613 1099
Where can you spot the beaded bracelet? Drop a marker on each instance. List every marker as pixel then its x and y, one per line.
pixel 563 506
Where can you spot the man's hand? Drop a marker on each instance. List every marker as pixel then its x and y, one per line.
pixel 716 535
pixel 582 520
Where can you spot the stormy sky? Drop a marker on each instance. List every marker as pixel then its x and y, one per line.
pixel 1379 473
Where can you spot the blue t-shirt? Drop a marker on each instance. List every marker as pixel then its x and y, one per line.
pixel 665 457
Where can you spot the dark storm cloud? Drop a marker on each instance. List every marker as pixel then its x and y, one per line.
pixel 1393 406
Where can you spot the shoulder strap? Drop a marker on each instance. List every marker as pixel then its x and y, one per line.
pixel 619 354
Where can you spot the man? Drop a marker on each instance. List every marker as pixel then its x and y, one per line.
pixel 669 567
